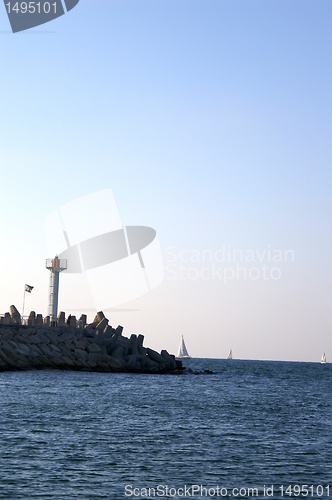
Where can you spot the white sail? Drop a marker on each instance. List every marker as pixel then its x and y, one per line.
pixel 323 358
pixel 230 355
pixel 183 353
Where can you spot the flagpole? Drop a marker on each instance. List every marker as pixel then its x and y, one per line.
pixel 23 305
pixel 27 288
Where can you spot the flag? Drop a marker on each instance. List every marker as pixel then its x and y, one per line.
pixel 28 288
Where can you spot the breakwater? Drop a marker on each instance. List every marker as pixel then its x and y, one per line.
pixel 88 347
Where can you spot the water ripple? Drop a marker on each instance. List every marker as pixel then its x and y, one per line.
pixel 71 435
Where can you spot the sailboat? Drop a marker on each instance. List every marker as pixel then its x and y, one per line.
pixel 230 355
pixel 323 359
pixel 183 353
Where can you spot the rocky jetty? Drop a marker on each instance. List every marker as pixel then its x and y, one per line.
pixel 77 346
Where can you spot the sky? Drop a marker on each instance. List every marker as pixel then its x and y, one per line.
pixel 210 121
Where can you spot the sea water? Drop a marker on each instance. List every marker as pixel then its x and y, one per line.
pixel 249 429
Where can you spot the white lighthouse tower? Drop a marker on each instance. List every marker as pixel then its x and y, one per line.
pixel 55 265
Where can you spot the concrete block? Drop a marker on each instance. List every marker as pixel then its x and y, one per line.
pixel 15 315
pixel 81 354
pixel 133 347
pixel 7 319
pixel 119 330
pixel 140 340
pixel 117 352
pixel 93 348
pixel 61 320
pixel 82 321
pixel 73 323
pixel 116 364
pixel 32 318
pixel 155 356
pixel 39 319
pixel 134 362
pixel 169 358
pixel 103 323
pixel 82 344
pixel 99 316
pixel 23 349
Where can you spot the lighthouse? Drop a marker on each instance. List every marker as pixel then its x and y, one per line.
pixel 55 266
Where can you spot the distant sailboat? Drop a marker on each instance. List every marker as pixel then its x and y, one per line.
pixel 323 359
pixel 230 355
pixel 183 353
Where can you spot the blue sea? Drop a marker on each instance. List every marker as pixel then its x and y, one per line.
pixel 249 429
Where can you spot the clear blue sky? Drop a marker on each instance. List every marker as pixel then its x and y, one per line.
pixel 211 122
